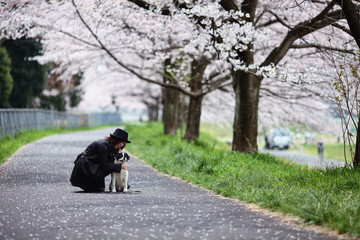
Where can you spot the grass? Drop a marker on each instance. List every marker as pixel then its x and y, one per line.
pixel 329 197
pixel 9 145
pixel 222 132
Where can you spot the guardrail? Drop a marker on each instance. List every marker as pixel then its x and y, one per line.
pixel 15 120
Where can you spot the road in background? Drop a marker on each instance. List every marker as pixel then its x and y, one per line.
pixel 304 159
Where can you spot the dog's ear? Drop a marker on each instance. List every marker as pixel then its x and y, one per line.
pixel 126 157
pixel 119 156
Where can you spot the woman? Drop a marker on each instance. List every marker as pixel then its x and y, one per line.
pixel 97 161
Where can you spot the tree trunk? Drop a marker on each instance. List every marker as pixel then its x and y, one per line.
pixel 352 17
pixel 171 102
pixel 247 88
pixel 182 112
pixel 193 119
pixel 194 110
pixel 356 161
pixel 153 112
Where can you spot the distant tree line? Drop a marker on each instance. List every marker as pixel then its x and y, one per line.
pixel 25 83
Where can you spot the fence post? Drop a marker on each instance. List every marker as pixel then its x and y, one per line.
pixel 3 129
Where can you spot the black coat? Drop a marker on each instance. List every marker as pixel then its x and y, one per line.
pixel 93 165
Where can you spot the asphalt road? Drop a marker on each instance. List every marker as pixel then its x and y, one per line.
pixel 312 161
pixel 38 202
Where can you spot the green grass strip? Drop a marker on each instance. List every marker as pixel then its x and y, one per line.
pixel 322 197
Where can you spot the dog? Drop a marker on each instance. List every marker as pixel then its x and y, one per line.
pixel 119 181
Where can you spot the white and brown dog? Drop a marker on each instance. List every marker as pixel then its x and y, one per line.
pixel 119 181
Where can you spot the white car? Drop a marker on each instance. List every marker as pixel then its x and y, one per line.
pixel 278 138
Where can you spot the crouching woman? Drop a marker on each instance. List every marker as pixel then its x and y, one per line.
pixel 97 161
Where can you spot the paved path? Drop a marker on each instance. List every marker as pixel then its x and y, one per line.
pixel 38 202
pixel 312 161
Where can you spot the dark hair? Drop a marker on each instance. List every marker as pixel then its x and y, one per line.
pixel 114 141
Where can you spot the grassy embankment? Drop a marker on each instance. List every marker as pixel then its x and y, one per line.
pixel 323 197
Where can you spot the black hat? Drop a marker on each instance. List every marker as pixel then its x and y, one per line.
pixel 121 135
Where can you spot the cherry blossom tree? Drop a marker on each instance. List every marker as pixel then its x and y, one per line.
pixel 152 44
pixel 290 31
pixel 288 35
pixel 249 38
pixel 156 45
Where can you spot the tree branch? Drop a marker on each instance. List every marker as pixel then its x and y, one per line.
pixel 268 23
pixel 164 11
pixel 229 5
pixel 301 46
pixel 103 47
pixel 343 28
pixel 279 19
pixel 289 97
pixel 69 34
pixel 323 19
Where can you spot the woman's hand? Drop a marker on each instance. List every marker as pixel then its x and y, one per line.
pixel 124 166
